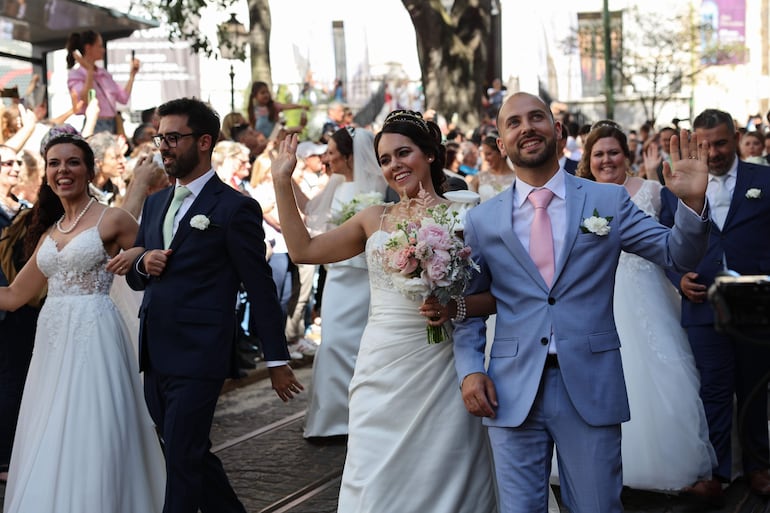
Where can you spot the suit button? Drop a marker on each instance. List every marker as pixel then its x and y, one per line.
pixel 544 341
pixel 551 301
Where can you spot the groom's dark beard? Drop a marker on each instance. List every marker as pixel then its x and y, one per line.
pixel 183 164
pixel 537 160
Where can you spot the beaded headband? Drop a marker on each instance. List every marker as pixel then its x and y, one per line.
pixel 407 116
pixel 59 133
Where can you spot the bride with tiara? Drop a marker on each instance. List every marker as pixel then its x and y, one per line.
pixel 412 446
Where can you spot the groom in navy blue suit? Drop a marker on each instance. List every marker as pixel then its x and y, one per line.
pixel 739 195
pixel 202 239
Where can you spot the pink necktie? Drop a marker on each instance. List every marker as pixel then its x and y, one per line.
pixel 540 235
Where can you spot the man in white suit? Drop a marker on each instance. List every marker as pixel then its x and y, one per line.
pixel 555 374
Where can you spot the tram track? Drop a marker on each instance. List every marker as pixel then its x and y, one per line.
pixel 295 499
pixel 304 494
pixel 264 430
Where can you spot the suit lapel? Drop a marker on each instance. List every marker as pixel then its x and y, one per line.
pixel 204 203
pixel 743 181
pixel 512 242
pixel 575 198
pixel 158 226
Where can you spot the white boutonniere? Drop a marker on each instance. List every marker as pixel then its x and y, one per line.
pixel 200 222
pixel 596 224
pixel 754 193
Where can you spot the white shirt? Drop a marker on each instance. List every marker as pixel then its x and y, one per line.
pixel 732 176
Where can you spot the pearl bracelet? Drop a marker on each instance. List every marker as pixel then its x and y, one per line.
pixel 461 310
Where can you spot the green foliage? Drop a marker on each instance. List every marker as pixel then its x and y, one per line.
pixel 182 19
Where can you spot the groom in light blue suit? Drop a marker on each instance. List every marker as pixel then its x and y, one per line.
pixel 555 374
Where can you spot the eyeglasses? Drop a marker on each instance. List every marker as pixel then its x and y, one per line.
pixel 171 139
pixel 10 163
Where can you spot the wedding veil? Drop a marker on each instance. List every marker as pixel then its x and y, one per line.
pixel 367 177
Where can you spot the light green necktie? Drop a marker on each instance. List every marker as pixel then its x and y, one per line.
pixel 180 193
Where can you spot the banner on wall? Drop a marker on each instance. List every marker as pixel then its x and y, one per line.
pixel 723 31
pixel 168 70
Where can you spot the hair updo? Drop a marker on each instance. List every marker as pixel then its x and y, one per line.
pixel 425 134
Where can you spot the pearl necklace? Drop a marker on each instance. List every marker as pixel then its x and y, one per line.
pixel 77 219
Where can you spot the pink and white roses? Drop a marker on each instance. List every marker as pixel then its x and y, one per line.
pixel 425 257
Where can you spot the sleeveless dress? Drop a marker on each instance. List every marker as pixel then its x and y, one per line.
pixel 412 446
pixel 665 445
pixel 84 441
pixel 344 309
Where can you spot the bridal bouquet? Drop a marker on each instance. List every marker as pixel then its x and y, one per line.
pixel 357 204
pixel 425 257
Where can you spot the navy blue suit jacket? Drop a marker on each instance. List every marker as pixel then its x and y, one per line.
pixel 188 318
pixel 570 166
pixel 744 239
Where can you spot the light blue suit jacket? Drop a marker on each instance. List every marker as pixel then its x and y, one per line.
pixel 578 306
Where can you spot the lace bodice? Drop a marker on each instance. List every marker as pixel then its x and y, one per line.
pixel 77 269
pixel 647 198
pixel 378 277
pixel 491 184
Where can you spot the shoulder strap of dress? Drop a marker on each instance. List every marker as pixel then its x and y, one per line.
pixel 382 216
pixel 101 217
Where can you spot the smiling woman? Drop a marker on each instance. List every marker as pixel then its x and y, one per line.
pixel 70 399
pixel 404 407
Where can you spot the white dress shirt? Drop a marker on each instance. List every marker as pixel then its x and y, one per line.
pixel 718 207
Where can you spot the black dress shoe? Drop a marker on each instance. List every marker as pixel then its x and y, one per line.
pixel 328 440
pixel 244 346
pixel 707 492
pixel 246 362
pixel 759 482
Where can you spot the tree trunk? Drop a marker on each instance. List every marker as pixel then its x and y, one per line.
pixel 452 50
pixel 259 40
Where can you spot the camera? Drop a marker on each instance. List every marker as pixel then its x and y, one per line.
pixel 740 302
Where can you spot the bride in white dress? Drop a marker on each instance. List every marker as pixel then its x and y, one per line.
pixel 84 440
pixel 665 445
pixel 412 446
pixel 345 304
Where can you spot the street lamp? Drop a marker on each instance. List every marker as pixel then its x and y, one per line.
pixel 232 39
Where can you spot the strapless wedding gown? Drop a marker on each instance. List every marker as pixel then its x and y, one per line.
pixel 665 445
pixel 412 446
pixel 84 441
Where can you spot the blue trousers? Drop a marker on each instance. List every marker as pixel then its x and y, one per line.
pixel 589 456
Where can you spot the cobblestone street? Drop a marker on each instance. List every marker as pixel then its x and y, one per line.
pixel 274 469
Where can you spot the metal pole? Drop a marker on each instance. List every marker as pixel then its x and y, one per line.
pixel 232 88
pixel 609 92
